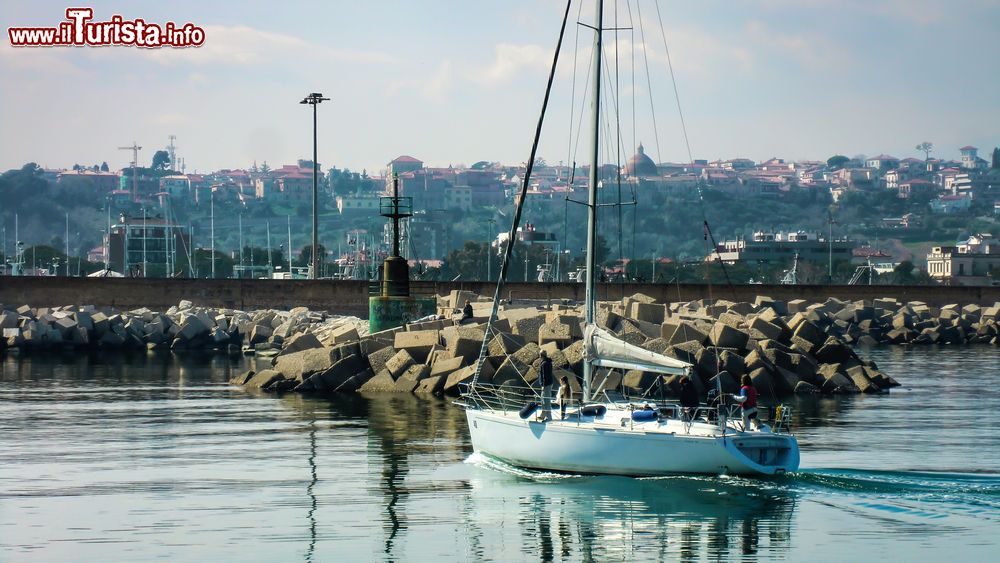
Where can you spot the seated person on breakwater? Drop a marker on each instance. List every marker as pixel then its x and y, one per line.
pixel 748 403
pixel 466 313
pixel 689 398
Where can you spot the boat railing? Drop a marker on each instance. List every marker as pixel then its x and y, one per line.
pixel 779 417
pixel 498 397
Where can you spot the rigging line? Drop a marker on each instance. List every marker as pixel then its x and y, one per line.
pixel 572 100
pixel 715 249
pixel 583 107
pixel 565 242
pixel 649 82
pixel 673 80
pixel 631 25
pixel 512 235
pixel 618 155
pixel 631 50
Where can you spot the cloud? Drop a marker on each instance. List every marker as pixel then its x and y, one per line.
pixel 509 60
pixel 168 118
pixel 38 59
pixel 225 46
pixel 437 87
pixel 812 50
pixel 248 46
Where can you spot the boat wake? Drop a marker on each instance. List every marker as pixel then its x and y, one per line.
pixel 919 493
pixel 903 494
pixel 487 462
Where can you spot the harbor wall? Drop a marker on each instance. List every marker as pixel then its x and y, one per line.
pixel 351 297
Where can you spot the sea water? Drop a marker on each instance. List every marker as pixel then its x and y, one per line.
pixel 138 457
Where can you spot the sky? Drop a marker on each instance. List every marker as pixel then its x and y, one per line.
pixel 455 82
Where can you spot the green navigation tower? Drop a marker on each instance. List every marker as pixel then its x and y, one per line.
pixel 392 305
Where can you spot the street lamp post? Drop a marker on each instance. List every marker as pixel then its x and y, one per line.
pixel 829 272
pixel 314 99
pixel 489 246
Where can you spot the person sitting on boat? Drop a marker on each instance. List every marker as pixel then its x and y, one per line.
pixel 748 403
pixel 466 313
pixel 689 398
pixel 565 393
pixel 545 381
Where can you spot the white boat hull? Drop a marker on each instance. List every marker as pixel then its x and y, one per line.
pixel 633 449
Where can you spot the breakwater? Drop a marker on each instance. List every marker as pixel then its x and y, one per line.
pixel 786 347
pixel 351 297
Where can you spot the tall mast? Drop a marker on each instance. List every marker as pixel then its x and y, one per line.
pixel 595 123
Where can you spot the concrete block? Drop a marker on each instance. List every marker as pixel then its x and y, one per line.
pixel 513 369
pixel 649 312
pixel 465 343
pixel 556 333
pixel 382 382
pixel 418 343
pixel 677 331
pixel 454 380
pixel 378 359
pixel 301 365
pixel 409 379
pixel 342 334
pixel 528 327
pixel 808 330
pixel 861 381
pixel 765 328
pixel 685 351
pixel 446 367
pixel 399 363
pixel 263 379
pixel 504 343
pixel 725 336
pixel 640 383
pixel 297 343
pixel 333 377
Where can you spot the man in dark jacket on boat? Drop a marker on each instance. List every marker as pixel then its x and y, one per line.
pixel 689 398
pixel 545 380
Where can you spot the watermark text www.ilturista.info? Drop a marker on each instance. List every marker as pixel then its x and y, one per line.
pixel 79 30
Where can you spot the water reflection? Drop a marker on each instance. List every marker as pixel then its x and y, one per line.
pixel 403 427
pixel 184 466
pixel 559 517
pixel 599 518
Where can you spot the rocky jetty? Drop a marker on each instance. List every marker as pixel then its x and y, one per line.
pixel 785 348
pixel 793 347
pixel 184 327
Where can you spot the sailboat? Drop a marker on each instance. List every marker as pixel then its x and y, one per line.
pixel 605 433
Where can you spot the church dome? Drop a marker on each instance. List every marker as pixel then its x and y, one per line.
pixel 641 165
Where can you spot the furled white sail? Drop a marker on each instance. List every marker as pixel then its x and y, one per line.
pixel 606 350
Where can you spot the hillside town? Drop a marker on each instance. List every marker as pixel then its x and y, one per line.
pixel 157 220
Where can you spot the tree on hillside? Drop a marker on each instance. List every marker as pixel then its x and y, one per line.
pixel 926 148
pixel 837 161
pixel 161 160
pixel 305 255
pixel 104 167
pixel 905 273
pixel 24 188
pixel 996 159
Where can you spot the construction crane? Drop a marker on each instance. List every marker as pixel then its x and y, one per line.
pixel 135 162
